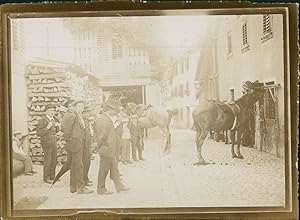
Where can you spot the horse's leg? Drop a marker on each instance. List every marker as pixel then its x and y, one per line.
pixel 226 136
pixel 200 137
pixel 217 136
pixel 232 137
pixel 167 135
pixel 239 135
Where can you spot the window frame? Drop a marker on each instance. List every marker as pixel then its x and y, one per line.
pixel 245 35
pixel 267 35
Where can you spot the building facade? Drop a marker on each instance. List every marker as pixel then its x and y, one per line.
pixel 180 90
pixel 251 48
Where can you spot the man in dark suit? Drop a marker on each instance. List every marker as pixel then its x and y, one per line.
pixel 74 135
pixel 46 130
pixel 107 142
pixel 68 115
pixel 87 153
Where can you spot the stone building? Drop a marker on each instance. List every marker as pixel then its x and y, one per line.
pixel 251 47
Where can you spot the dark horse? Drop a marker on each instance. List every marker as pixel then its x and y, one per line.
pixel 218 117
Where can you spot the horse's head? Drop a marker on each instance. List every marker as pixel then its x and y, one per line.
pixel 253 91
pixel 141 109
pixel 136 109
pixel 131 108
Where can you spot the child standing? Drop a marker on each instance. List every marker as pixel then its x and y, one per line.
pixel 136 138
pixel 125 142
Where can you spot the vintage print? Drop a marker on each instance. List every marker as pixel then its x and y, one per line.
pixel 148 112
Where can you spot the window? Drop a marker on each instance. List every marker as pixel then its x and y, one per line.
pixel 100 40
pixel 90 67
pixel 245 43
pixel 182 66
pixel 187 89
pixel 116 48
pixel 269 104
pixel 90 52
pixel 229 45
pixel 181 114
pixel 175 69
pixel 181 90
pixel 187 64
pixel 267 27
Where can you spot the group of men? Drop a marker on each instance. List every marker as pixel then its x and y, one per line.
pixel 78 133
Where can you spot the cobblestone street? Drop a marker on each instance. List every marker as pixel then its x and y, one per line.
pixel 171 180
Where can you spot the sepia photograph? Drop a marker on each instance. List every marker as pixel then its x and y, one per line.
pixel 157 111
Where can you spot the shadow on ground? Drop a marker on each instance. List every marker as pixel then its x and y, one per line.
pixel 30 202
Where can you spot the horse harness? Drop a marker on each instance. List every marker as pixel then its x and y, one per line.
pixel 234 109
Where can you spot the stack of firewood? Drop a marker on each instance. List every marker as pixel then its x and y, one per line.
pixel 44 86
pixel 48 85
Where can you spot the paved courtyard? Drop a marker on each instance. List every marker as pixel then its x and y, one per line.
pixel 170 180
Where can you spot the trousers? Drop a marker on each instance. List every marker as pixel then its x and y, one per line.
pixel 136 146
pixel 76 172
pixel 86 160
pixel 26 161
pixel 125 150
pixel 50 161
pixel 108 165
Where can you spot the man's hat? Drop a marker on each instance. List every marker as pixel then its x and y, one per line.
pixel 114 104
pixel 87 109
pixel 78 101
pixel 70 101
pixel 49 106
pixel 125 119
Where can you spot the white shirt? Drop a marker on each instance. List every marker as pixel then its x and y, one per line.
pixel 114 119
pixel 126 133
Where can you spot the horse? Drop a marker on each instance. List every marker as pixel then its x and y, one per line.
pixel 150 117
pixel 218 117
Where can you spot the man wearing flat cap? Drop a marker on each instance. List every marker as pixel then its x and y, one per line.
pixel 74 135
pixel 106 139
pixel 46 130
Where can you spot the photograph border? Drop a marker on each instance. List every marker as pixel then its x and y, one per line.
pixel 290 24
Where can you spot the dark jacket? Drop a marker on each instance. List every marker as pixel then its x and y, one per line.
pixel 74 132
pixel 135 131
pixel 88 135
pixel 47 136
pixel 106 136
pixel 66 123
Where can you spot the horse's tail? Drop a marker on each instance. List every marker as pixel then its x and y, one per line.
pixel 172 112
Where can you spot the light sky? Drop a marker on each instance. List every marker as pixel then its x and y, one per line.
pixel 172 33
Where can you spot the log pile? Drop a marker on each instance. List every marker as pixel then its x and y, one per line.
pixel 44 86
pixel 49 85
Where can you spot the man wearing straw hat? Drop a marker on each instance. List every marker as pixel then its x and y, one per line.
pixel 19 154
pixel 74 135
pixel 46 130
pixel 106 139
